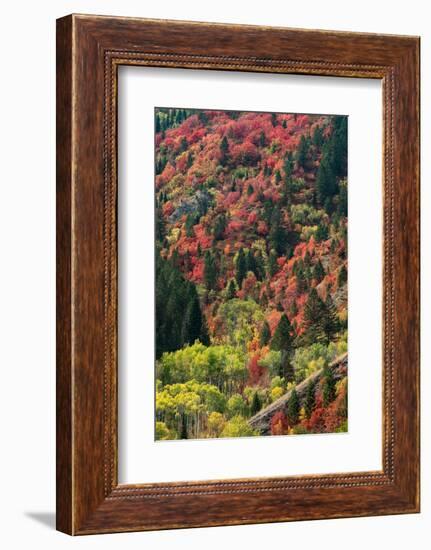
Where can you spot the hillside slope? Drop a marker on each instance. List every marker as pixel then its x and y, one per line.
pixel 251 276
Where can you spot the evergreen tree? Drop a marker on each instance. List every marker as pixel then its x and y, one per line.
pixel 250 262
pixel 189 160
pixel 331 324
pixel 160 229
pixel 231 290
pixel 301 281
pixel 288 166
pixel 318 137
pixel 329 390
pixel 256 404
pixel 183 144
pixel 277 234
pixel 302 152
pixel 277 177
pixel 326 184
pixel 250 189
pixel 283 335
pixel 240 267
pixel 293 408
pixel 260 266
pixel 210 271
pixel 203 118
pixel 272 263
pixel 318 271
pixel 179 319
pixel 322 233
pixel 287 370
pixel 265 335
pixel 342 276
pixel 314 319
pixel 328 206
pixel 262 139
pixel 339 145
pixel 224 150
pixel 194 327
pixel 190 222
pixel 310 400
pixel 294 309
pixel 342 200
pixel 219 227
pixel 183 434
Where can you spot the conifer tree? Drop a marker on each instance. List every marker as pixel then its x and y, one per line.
pixel 310 399
pixel 302 152
pixel 326 184
pixel 318 271
pixel 339 146
pixel 342 276
pixel 240 267
pixel 183 144
pixel 260 266
pixel 183 434
pixel 342 200
pixel 318 136
pixel 293 408
pixel 277 233
pixel 265 335
pixel 256 404
pixel 301 282
pixel 294 309
pixel 322 232
pixel 231 290
pixel 219 227
pixel 331 324
pixel 194 327
pixel 210 271
pixel 288 166
pixel 189 159
pixel 283 335
pixel 287 370
pixel 190 222
pixel 329 390
pixel 272 263
pixel 224 150
pixel 314 319
pixel 250 262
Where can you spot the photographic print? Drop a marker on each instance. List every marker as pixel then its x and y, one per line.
pixel 251 273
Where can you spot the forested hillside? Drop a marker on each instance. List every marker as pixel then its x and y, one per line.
pixel 251 270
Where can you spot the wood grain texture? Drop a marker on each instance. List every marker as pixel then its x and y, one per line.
pixel 90 49
pixel 64 496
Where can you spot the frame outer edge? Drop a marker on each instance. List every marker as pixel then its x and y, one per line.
pixel 81 508
pixel 64 367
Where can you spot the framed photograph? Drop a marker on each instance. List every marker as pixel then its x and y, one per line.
pixel 237 274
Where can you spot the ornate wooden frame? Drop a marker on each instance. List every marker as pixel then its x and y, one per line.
pixel 89 51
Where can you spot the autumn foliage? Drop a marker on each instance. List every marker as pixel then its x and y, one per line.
pixel 251 247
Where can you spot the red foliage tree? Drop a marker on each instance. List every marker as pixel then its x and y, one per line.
pixel 279 424
pixel 255 371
